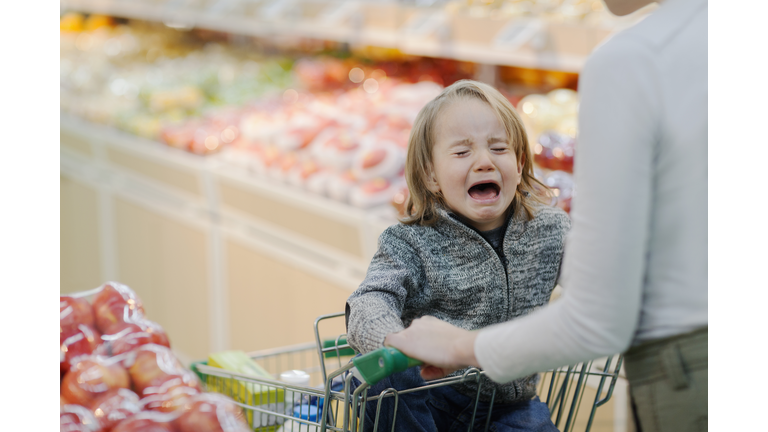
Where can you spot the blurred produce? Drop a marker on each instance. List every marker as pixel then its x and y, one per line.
pixel 84 341
pixel 115 305
pixel 552 126
pixel 77 418
pixel 123 380
pixel 349 146
pixel 90 377
pixel 147 421
pixel 334 126
pixel 143 76
pixel 152 365
pixel 115 406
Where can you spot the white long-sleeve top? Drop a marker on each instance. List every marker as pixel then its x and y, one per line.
pixel 635 264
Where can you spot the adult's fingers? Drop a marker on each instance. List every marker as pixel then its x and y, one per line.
pixel 429 372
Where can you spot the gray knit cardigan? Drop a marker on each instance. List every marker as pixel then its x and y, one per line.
pixel 451 272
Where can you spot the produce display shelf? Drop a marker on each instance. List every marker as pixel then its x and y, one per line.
pixel 425 31
pixel 327 259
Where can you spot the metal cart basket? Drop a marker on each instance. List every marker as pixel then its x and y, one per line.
pixel 329 402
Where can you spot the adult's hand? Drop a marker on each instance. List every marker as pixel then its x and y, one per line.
pixel 442 347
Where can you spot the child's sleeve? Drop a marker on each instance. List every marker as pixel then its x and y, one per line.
pixel 374 310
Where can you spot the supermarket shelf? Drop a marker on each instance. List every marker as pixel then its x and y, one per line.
pixel 531 43
pixel 206 210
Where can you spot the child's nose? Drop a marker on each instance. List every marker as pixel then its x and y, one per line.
pixel 484 162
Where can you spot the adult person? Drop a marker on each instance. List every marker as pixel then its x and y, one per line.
pixel 634 274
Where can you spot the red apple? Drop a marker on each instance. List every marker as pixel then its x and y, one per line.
pixel 115 406
pixel 147 421
pixel 169 396
pixel 76 418
pixel 212 412
pixel 83 342
pixel 116 303
pixel 73 312
pixel 91 377
pixel 157 333
pixel 152 365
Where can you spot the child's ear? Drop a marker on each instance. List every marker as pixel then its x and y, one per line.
pixel 432 184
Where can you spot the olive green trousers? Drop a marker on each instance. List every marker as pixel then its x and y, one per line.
pixel 668 383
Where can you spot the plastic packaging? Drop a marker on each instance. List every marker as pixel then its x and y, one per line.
pixel 152 365
pixel 150 331
pixel 170 396
pixel 72 313
pixel 91 377
pixel 148 421
pixel 116 304
pixel 212 412
pixel 381 158
pixel 115 406
pixel 124 341
pixel 84 341
pixel 76 418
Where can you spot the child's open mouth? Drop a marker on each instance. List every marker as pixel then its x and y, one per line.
pixel 484 191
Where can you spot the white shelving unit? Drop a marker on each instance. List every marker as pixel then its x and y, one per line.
pixel 424 31
pixel 206 208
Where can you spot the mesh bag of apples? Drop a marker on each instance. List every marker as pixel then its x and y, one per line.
pixel 118 372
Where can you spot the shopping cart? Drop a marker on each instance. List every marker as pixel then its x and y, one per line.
pixel 331 403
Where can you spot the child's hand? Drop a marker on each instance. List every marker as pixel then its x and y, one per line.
pixel 442 347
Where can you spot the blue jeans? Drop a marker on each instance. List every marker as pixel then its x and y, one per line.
pixel 444 409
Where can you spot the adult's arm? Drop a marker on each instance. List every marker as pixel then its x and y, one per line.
pixel 606 250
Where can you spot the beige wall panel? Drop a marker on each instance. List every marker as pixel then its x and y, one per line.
pixel 75 142
pixel 333 233
pixel 272 304
pixel 180 179
pixel 165 262
pixel 80 264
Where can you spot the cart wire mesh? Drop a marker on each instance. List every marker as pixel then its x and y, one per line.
pixel 330 403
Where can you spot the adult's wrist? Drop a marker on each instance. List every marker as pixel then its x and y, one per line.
pixel 464 349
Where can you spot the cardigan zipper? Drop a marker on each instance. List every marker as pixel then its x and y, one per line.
pixel 501 259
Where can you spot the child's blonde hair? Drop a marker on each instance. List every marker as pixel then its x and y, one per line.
pixel 422 204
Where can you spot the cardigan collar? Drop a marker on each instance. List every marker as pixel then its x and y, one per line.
pixel 515 222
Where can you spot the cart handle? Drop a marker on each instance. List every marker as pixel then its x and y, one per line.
pixel 381 363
